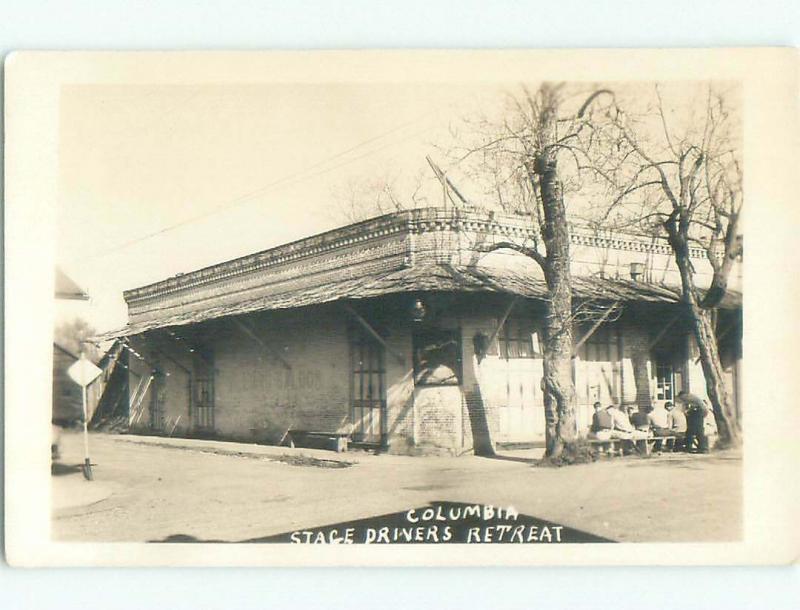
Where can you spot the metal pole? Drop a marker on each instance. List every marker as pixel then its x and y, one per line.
pixel 87 465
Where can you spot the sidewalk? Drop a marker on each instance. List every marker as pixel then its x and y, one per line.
pixel 353 456
pixel 247 450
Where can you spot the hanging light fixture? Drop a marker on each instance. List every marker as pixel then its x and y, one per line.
pixel 637 271
pixel 417 310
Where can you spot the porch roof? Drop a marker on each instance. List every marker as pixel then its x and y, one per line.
pixel 441 277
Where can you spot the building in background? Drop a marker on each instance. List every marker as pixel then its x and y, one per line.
pixel 67 405
pixel 108 389
pixel 401 332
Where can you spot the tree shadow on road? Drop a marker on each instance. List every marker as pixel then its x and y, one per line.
pixel 510 458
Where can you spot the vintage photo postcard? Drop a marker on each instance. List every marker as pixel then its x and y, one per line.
pixel 401 308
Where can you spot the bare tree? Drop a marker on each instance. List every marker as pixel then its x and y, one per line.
pixel 73 336
pixel 675 169
pixel 517 157
pixel 375 195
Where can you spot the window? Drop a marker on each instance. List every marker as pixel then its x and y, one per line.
pixel 437 357
pixel 515 340
pixel 668 379
pixel 665 382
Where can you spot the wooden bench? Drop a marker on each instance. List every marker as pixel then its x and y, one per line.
pixel 611 445
pixel 335 441
pixel 644 446
pixel 661 444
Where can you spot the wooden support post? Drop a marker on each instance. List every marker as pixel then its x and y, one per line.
pixel 140 398
pixel 373 333
pixel 269 349
pixel 663 331
pixel 500 324
pixel 175 425
pixel 594 327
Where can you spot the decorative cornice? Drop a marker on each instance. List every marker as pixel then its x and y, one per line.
pixel 408 222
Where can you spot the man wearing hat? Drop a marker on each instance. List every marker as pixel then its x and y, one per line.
pixel 695 410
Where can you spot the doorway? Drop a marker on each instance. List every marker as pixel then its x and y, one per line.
pixel 158 399
pixel 367 388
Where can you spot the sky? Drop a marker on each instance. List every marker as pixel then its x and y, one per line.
pixel 156 180
pixel 159 180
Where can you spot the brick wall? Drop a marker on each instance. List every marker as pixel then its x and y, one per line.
pixel 257 398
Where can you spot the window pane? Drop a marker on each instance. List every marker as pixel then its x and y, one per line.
pixel 524 336
pixel 502 346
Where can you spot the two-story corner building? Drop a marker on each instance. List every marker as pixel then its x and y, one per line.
pixel 403 332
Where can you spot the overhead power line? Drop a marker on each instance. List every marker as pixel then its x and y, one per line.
pixel 296 177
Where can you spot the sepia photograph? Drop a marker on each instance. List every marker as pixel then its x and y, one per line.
pixel 305 311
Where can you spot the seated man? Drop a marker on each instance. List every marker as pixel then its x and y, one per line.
pixel 660 420
pixel 677 419
pixel 640 419
pixel 623 429
pixel 623 425
pixel 602 424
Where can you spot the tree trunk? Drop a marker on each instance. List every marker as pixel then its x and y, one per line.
pixel 703 328
pixel 727 425
pixel 559 389
pixel 560 396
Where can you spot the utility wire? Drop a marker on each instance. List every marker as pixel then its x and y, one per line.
pixel 292 178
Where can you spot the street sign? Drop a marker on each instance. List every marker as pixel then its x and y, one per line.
pixel 83 372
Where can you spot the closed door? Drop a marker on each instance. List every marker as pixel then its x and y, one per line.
pixel 158 399
pixel 511 381
pixel 521 408
pixel 203 414
pixel 368 391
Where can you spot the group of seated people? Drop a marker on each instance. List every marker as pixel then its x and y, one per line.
pixel 687 423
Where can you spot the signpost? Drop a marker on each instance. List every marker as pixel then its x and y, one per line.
pixel 83 372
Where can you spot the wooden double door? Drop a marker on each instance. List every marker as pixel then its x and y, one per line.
pixel 513 388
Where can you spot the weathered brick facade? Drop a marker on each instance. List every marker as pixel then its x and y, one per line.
pixel 256 347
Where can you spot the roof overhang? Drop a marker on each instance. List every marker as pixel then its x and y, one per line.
pixel 425 278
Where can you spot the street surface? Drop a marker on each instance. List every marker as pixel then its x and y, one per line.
pixel 149 488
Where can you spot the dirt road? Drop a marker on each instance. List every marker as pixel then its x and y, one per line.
pixel 208 490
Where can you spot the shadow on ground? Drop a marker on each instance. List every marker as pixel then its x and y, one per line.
pixel 684 460
pixel 57 469
pixel 510 458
